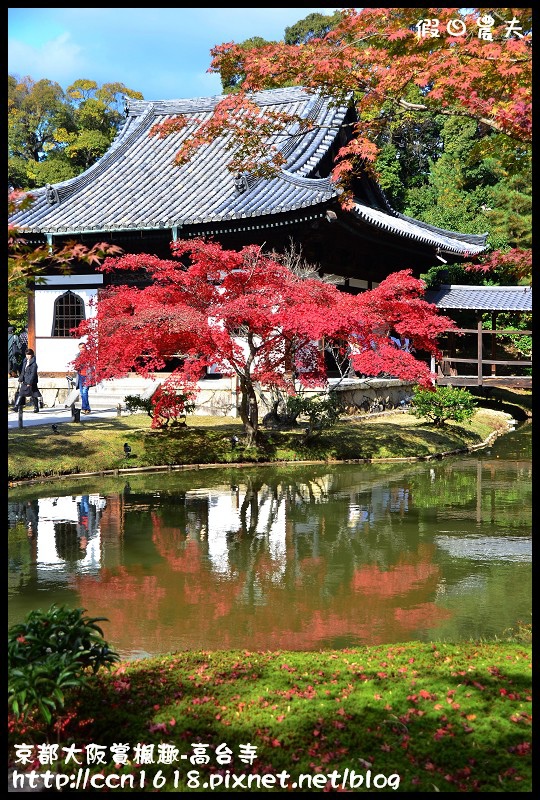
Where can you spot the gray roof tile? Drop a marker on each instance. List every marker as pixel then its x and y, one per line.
pixel 482 298
pixel 136 185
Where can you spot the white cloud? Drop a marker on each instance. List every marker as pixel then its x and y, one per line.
pixel 57 59
pixel 161 52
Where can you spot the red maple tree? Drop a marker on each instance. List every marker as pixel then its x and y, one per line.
pixel 512 266
pixel 469 62
pixel 254 318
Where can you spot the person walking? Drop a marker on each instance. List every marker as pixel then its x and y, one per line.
pixel 84 379
pixel 28 382
pixel 401 342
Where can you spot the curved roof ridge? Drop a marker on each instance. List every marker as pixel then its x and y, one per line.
pixel 125 136
pixel 306 180
pixel 192 105
pixel 445 241
pixel 317 141
pixel 471 238
pixel 136 184
pixel 302 181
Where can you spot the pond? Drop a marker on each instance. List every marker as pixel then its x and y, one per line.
pixel 298 557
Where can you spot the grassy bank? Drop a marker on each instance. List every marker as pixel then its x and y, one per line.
pixel 409 717
pixel 98 444
pixel 423 717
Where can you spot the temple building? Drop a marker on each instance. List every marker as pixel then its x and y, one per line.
pixel 135 196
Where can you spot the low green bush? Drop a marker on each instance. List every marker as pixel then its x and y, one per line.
pixel 322 412
pixel 135 403
pixel 49 653
pixel 443 404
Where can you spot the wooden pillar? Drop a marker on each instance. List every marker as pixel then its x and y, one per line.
pixel 480 382
pixel 452 344
pixel 32 319
pixel 493 338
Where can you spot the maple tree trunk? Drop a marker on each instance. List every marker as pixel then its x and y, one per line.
pixel 249 411
pixel 289 368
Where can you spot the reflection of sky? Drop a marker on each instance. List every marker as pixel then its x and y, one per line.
pixel 224 517
pixel 221 517
pixel 487 548
pixel 359 515
pixel 61 510
pixel 472 584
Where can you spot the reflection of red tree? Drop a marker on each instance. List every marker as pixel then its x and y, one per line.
pixel 410 582
pixel 423 616
pixel 182 554
pixel 185 605
pixel 128 599
pixel 398 580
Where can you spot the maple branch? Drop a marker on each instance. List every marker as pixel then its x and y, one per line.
pixel 468 55
pixel 454 113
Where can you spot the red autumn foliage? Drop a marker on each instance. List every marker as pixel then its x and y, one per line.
pixel 182 579
pixel 28 262
pixel 515 265
pixel 467 62
pixel 254 318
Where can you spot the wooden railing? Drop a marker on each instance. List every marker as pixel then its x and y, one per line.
pixel 447 370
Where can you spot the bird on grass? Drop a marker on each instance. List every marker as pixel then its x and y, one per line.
pixel 127 450
pixel 54 428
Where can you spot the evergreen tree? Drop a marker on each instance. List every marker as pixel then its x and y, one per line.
pixel 54 135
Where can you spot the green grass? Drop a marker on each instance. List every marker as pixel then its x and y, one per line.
pixel 441 717
pixel 97 445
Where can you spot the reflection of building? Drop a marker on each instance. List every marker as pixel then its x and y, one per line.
pixel 360 515
pixel 63 539
pixel 229 514
pixel 25 513
pixel 273 562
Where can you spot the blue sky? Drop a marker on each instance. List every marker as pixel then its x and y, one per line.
pixel 163 53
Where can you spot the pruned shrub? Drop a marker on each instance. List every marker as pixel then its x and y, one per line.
pixel 443 404
pixel 322 412
pixel 136 403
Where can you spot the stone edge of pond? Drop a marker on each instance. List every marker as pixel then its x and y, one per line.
pixel 186 467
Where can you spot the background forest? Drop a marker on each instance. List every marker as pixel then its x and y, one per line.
pixel 458 171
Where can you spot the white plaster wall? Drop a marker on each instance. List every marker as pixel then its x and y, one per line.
pixel 53 354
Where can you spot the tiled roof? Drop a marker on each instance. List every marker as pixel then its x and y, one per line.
pixel 446 242
pixel 481 298
pixel 136 186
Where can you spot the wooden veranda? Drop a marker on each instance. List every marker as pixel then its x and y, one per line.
pixel 475 363
pixel 450 369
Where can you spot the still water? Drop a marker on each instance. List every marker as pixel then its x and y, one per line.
pixel 299 557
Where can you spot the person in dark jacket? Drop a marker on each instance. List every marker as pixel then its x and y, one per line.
pixel 28 381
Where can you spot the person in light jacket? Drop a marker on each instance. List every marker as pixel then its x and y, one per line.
pixel 28 381
pixel 84 379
